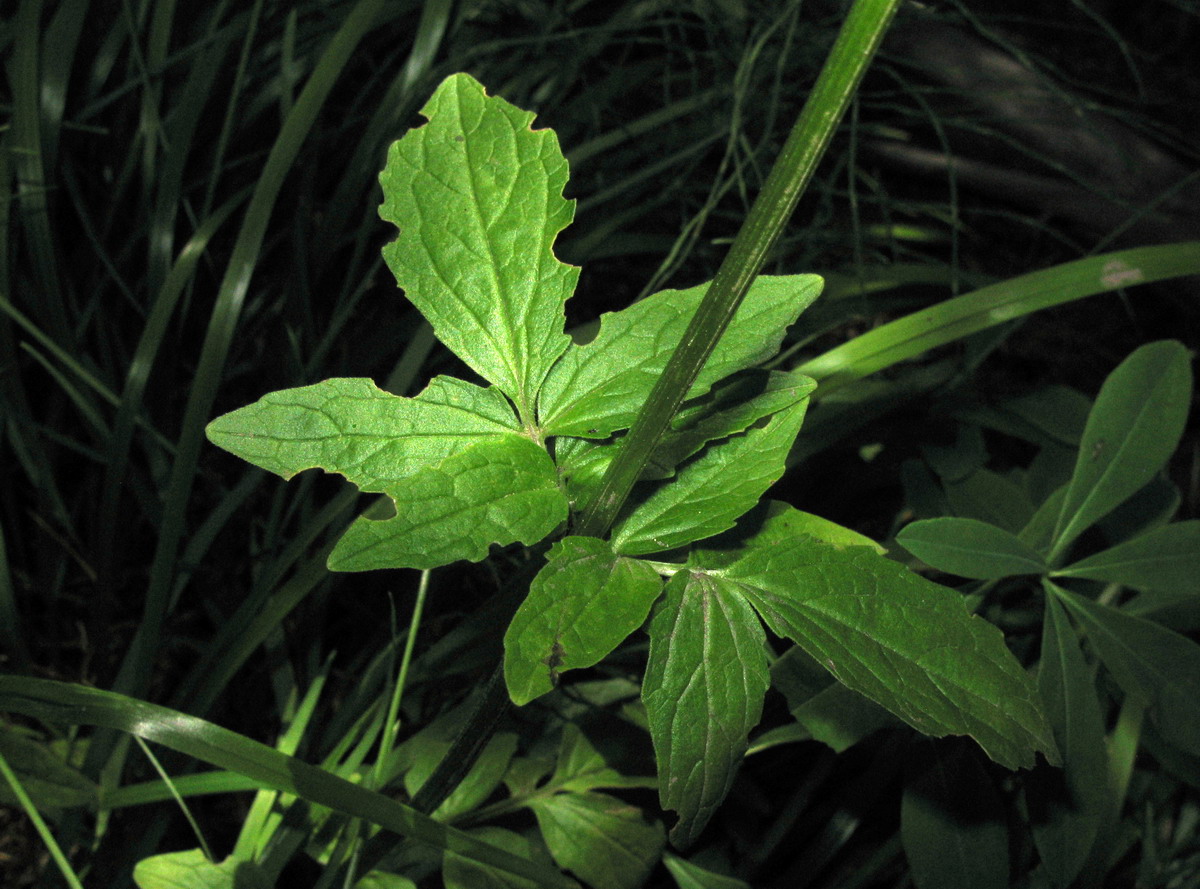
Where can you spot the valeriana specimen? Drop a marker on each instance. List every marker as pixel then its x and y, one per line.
pixel 477 197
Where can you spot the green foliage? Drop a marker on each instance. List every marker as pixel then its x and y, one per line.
pixel 190 223
pixel 475 476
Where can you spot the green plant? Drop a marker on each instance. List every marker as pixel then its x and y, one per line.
pixel 280 616
pixel 476 196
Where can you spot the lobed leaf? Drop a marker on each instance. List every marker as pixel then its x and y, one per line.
pixel 477 196
pixel 908 644
pixel 703 689
pixel 496 492
pixel 352 427
pixel 598 388
pixel 582 605
pixel 970 548
pixel 710 492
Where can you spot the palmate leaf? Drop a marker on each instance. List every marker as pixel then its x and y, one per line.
pixel 453 460
pixel 581 606
pixel 354 428
pixel 900 640
pixel 477 196
pixel 496 492
pixel 598 388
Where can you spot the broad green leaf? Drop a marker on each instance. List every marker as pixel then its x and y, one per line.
pixel 1166 559
pixel 703 689
pixel 970 548
pixel 1066 805
pixel 711 491
pixel 900 640
pixel 953 825
pixel 477 196
pixel 463 873
pixel 1149 662
pixel 606 842
pixel 352 427
pixel 477 785
pixel 598 388
pixel 773 521
pixel 1132 430
pixel 192 870
pixel 496 492
pixel 52 784
pixel 582 605
pixel 689 875
pixel 580 766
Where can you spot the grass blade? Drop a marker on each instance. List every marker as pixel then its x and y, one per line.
pixel 62 703
pixel 953 319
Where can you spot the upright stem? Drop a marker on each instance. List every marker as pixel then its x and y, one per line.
pixel 852 52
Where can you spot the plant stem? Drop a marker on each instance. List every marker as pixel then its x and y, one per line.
pixel 852 52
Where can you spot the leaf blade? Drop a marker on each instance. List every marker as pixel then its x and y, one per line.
pixel 905 643
pixel 970 548
pixel 596 389
pixel 477 196
pixel 1148 661
pixel 352 427
pixel 709 493
pixel 582 605
pixel 703 690
pixel 1133 428
pixel 493 493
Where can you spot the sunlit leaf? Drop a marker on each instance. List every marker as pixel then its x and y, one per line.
pixel 192 870
pixel 496 492
pixel 710 492
pixel 477 196
pixel 598 388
